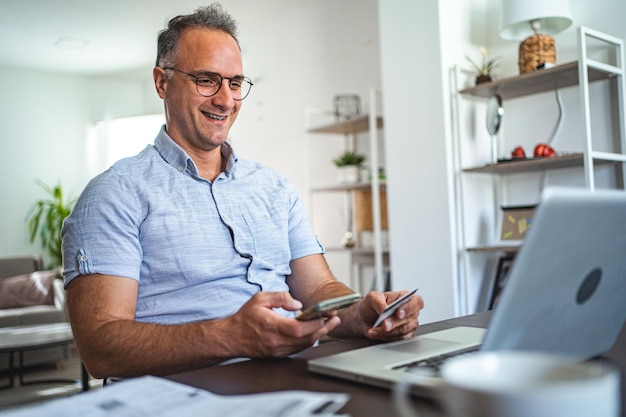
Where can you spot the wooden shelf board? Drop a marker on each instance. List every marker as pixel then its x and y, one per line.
pixel 357 125
pixel 356 250
pixel 560 76
pixel 495 248
pixel 347 187
pixel 535 164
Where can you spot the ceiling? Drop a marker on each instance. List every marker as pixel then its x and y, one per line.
pixel 93 37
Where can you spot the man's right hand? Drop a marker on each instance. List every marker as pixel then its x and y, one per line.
pixel 258 331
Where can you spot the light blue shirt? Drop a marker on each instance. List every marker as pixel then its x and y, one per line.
pixel 198 249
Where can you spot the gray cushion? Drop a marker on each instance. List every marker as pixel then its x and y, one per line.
pixel 27 290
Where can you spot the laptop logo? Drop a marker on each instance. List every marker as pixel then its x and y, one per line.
pixel 588 286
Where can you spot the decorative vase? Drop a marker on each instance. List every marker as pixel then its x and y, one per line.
pixel 349 174
pixel 348 240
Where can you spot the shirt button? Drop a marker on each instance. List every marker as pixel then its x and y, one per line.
pixel 226 218
pixel 181 168
pixel 267 216
pixel 83 258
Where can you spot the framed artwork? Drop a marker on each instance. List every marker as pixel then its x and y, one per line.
pixel 502 275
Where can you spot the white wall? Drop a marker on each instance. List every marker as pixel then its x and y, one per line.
pixel 421 204
pixel 299 55
pixel 43 126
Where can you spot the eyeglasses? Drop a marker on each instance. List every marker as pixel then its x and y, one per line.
pixel 208 84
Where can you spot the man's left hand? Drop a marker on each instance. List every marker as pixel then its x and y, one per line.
pixel 401 325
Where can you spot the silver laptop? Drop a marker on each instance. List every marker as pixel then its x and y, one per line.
pixel 565 293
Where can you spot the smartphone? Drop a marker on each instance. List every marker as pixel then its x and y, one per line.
pixel 393 307
pixel 328 307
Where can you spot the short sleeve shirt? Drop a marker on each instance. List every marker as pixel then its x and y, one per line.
pixel 199 249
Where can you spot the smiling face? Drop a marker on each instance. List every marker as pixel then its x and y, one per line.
pixel 200 124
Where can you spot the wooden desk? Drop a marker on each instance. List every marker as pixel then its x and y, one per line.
pixel 258 375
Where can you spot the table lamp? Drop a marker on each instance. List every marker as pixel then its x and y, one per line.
pixel 532 22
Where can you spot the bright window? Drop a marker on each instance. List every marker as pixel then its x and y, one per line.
pixel 111 140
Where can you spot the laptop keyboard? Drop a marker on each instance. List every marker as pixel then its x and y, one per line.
pixel 432 365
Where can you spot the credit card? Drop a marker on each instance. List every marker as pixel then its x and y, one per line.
pixel 393 307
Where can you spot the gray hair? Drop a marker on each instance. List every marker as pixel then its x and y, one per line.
pixel 209 17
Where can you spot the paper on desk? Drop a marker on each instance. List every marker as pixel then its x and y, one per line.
pixel 158 397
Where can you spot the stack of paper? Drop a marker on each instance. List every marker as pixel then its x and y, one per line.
pixel 158 397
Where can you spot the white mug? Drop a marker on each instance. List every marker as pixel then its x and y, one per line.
pixel 527 384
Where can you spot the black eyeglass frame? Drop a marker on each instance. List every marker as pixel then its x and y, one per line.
pixel 222 78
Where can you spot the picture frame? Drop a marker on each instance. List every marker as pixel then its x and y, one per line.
pixel 502 274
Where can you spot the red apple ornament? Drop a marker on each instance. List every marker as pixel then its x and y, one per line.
pixel 544 150
pixel 518 153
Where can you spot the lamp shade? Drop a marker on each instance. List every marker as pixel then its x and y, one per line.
pixel 523 18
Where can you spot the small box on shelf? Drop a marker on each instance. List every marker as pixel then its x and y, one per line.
pixel 363 212
pixel 516 220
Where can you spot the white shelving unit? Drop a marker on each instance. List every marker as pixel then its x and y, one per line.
pixel 587 65
pixel 372 123
pixel 581 74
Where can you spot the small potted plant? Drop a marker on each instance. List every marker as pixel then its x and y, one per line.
pixel 45 220
pixel 349 165
pixel 485 69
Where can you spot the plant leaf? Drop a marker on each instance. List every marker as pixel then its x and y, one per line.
pixel 45 220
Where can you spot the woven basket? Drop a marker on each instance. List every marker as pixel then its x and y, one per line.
pixel 536 50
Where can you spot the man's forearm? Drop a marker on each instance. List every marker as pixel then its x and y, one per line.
pixel 125 348
pixel 101 309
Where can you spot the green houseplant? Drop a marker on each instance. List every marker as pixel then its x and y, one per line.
pixel 45 219
pixel 348 158
pixel 486 67
pixel 349 166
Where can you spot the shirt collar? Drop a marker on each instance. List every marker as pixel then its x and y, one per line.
pixel 175 156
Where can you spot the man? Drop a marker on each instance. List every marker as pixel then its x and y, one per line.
pixel 186 255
